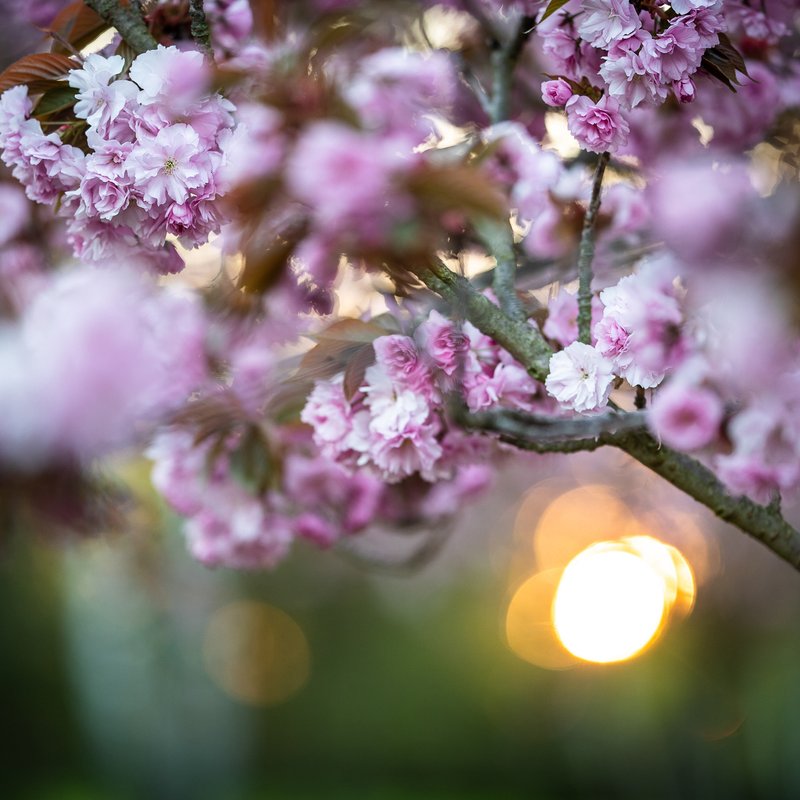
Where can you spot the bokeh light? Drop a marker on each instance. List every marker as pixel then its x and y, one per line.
pixel 256 653
pixel 529 623
pixel 604 589
pixel 578 518
pixel 610 604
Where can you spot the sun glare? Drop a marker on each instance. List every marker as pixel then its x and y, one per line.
pixel 611 602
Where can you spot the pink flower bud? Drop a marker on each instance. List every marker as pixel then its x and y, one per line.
pixel 556 92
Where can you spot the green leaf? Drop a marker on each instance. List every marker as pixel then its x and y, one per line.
pixel 55 99
pixel 552 7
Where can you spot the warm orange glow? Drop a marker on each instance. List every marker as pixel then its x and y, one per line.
pixel 255 653
pixel 529 625
pixel 578 518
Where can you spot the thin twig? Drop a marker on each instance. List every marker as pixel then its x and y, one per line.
pixel 586 254
pixel 498 238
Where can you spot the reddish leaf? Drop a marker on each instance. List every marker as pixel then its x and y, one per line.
pixel 76 24
pixel 458 188
pixel 723 62
pixel 265 18
pixel 351 331
pixel 39 72
pixel 338 346
pixel 265 261
pixel 264 267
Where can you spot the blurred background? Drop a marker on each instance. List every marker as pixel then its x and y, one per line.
pixel 585 631
pixel 130 671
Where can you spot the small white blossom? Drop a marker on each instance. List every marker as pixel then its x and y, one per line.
pixel 580 378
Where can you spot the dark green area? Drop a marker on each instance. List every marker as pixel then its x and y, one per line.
pixel 413 692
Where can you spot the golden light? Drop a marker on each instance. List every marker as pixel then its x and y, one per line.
pixel 610 604
pixel 529 623
pixel 578 518
pixel 255 653
pixel 594 598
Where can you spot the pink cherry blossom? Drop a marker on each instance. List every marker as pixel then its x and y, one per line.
pixel 443 342
pixel 604 22
pixel 169 165
pixel 686 417
pixel 404 364
pixel 100 97
pixel 599 127
pixel 556 92
pixel 176 78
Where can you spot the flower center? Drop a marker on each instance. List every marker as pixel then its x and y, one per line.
pixel 169 166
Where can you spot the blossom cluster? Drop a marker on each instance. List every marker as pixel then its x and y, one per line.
pixel 637 336
pixel 728 405
pixel 395 423
pixel 150 168
pixel 608 58
pixel 231 523
pixel 350 176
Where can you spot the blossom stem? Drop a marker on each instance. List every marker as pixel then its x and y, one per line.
pixel 128 22
pixel 555 430
pixel 504 58
pixel 586 254
pixel 499 240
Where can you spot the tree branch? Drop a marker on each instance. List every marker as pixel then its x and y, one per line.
pixel 201 32
pixel 763 523
pixel 128 22
pixel 624 431
pixel 499 241
pixel 546 429
pixel 586 254
pixel 523 341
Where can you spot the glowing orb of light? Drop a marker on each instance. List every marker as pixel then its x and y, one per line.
pixel 610 604
pixel 256 653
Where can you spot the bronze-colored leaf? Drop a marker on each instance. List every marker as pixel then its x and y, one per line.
pixel 265 262
pixel 716 71
pixel 265 18
pixel 351 331
pixel 356 369
pixel 77 25
pixel 723 61
pixel 336 347
pixel 458 188
pixel 726 47
pixel 39 72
